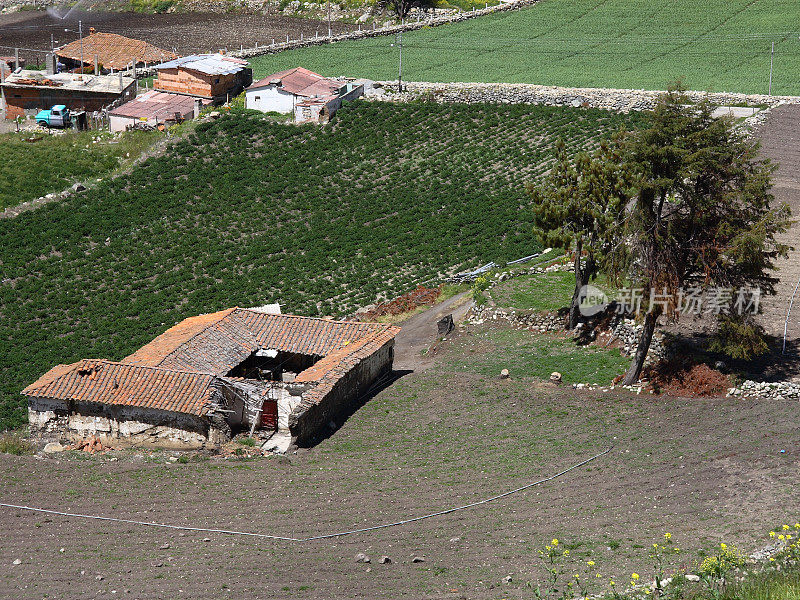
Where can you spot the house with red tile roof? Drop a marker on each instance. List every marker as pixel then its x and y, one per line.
pixel 111 51
pixel 309 96
pixel 213 375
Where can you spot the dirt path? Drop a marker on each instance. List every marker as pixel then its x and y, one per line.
pixel 420 331
pixel 780 138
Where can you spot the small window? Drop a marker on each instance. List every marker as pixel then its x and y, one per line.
pixel 216 80
pixel 258 98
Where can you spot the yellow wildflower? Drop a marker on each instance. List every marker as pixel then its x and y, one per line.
pixel 724 546
pixel 797 525
pixel 590 563
pixel 786 528
pixel 781 537
pixel 598 576
pixel 555 542
pixel 566 552
pixel 668 536
pixel 772 534
pixel 635 576
pixel 611 582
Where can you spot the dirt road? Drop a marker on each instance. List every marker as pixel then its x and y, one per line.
pixel 419 333
pixel 780 138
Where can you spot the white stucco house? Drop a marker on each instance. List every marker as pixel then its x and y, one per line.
pixel 308 95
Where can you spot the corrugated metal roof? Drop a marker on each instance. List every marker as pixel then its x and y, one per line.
pixel 114 51
pixel 156 104
pixel 301 82
pixel 210 64
pixel 114 383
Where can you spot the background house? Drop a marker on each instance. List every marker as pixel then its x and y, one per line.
pixel 155 108
pixel 215 77
pixel 308 95
pixel 111 52
pixel 27 92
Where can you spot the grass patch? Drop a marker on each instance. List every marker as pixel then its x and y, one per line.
pixel 539 291
pixel 529 355
pixel 718 45
pixel 244 211
pixel 13 443
pixel 54 162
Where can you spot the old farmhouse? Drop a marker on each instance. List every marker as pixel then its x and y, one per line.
pixel 309 96
pixel 213 375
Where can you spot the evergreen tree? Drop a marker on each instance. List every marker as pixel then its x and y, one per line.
pixel 581 206
pixel 703 215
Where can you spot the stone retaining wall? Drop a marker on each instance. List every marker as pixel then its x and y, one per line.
pixel 620 100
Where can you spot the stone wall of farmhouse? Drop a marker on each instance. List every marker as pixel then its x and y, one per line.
pixel 619 100
pixel 71 421
pixel 345 397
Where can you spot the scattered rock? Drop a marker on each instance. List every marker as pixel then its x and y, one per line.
pixel 418 559
pixel 385 560
pixel 694 578
pixel 362 558
pixel 504 374
pixel 507 579
pixel 99 578
pixel 53 447
pixel 17 562
pixel 206 539
pixel 78 187
pixel 555 377
pixel 165 546
pixel 453 540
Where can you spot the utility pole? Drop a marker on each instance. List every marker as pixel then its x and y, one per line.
pixel 80 36
pixel 771 59
pixel 329 18
pixel 399 43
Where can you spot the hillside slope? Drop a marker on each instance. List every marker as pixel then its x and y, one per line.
pixel 246 211
pixel 718 45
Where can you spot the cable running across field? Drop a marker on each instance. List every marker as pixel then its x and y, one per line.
pixel 315 537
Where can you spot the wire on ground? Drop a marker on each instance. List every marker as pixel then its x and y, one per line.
pixel 315 537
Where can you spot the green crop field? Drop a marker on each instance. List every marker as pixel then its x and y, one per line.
pixel 35 163
pixel 717 45
pixel 245 211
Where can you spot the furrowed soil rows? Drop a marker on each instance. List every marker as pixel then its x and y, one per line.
pixel 718 45
pixel 246 211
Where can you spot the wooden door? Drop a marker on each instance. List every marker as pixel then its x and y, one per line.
pixel 269 414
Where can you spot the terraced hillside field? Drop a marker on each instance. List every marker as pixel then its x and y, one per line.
pixel 246 211
pixel 717 45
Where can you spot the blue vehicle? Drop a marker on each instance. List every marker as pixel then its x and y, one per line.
pixel 58 116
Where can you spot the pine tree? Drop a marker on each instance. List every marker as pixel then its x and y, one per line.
pixel 703 214
pixel 581 206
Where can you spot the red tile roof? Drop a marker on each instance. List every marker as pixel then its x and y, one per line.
pixel 218 342
pixel 302 82
pixel 183 369
pixel 114 51
pixel 114 383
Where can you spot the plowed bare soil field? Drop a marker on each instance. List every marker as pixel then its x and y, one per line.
pixel 705 470
pixel 185 32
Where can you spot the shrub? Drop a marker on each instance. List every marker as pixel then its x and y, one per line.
pixel 14 443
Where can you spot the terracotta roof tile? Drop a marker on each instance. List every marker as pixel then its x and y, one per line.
pixel 302 82
pixel 114 51
pixel 114 383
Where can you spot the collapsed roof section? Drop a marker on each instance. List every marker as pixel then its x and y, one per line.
pixel 218 342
